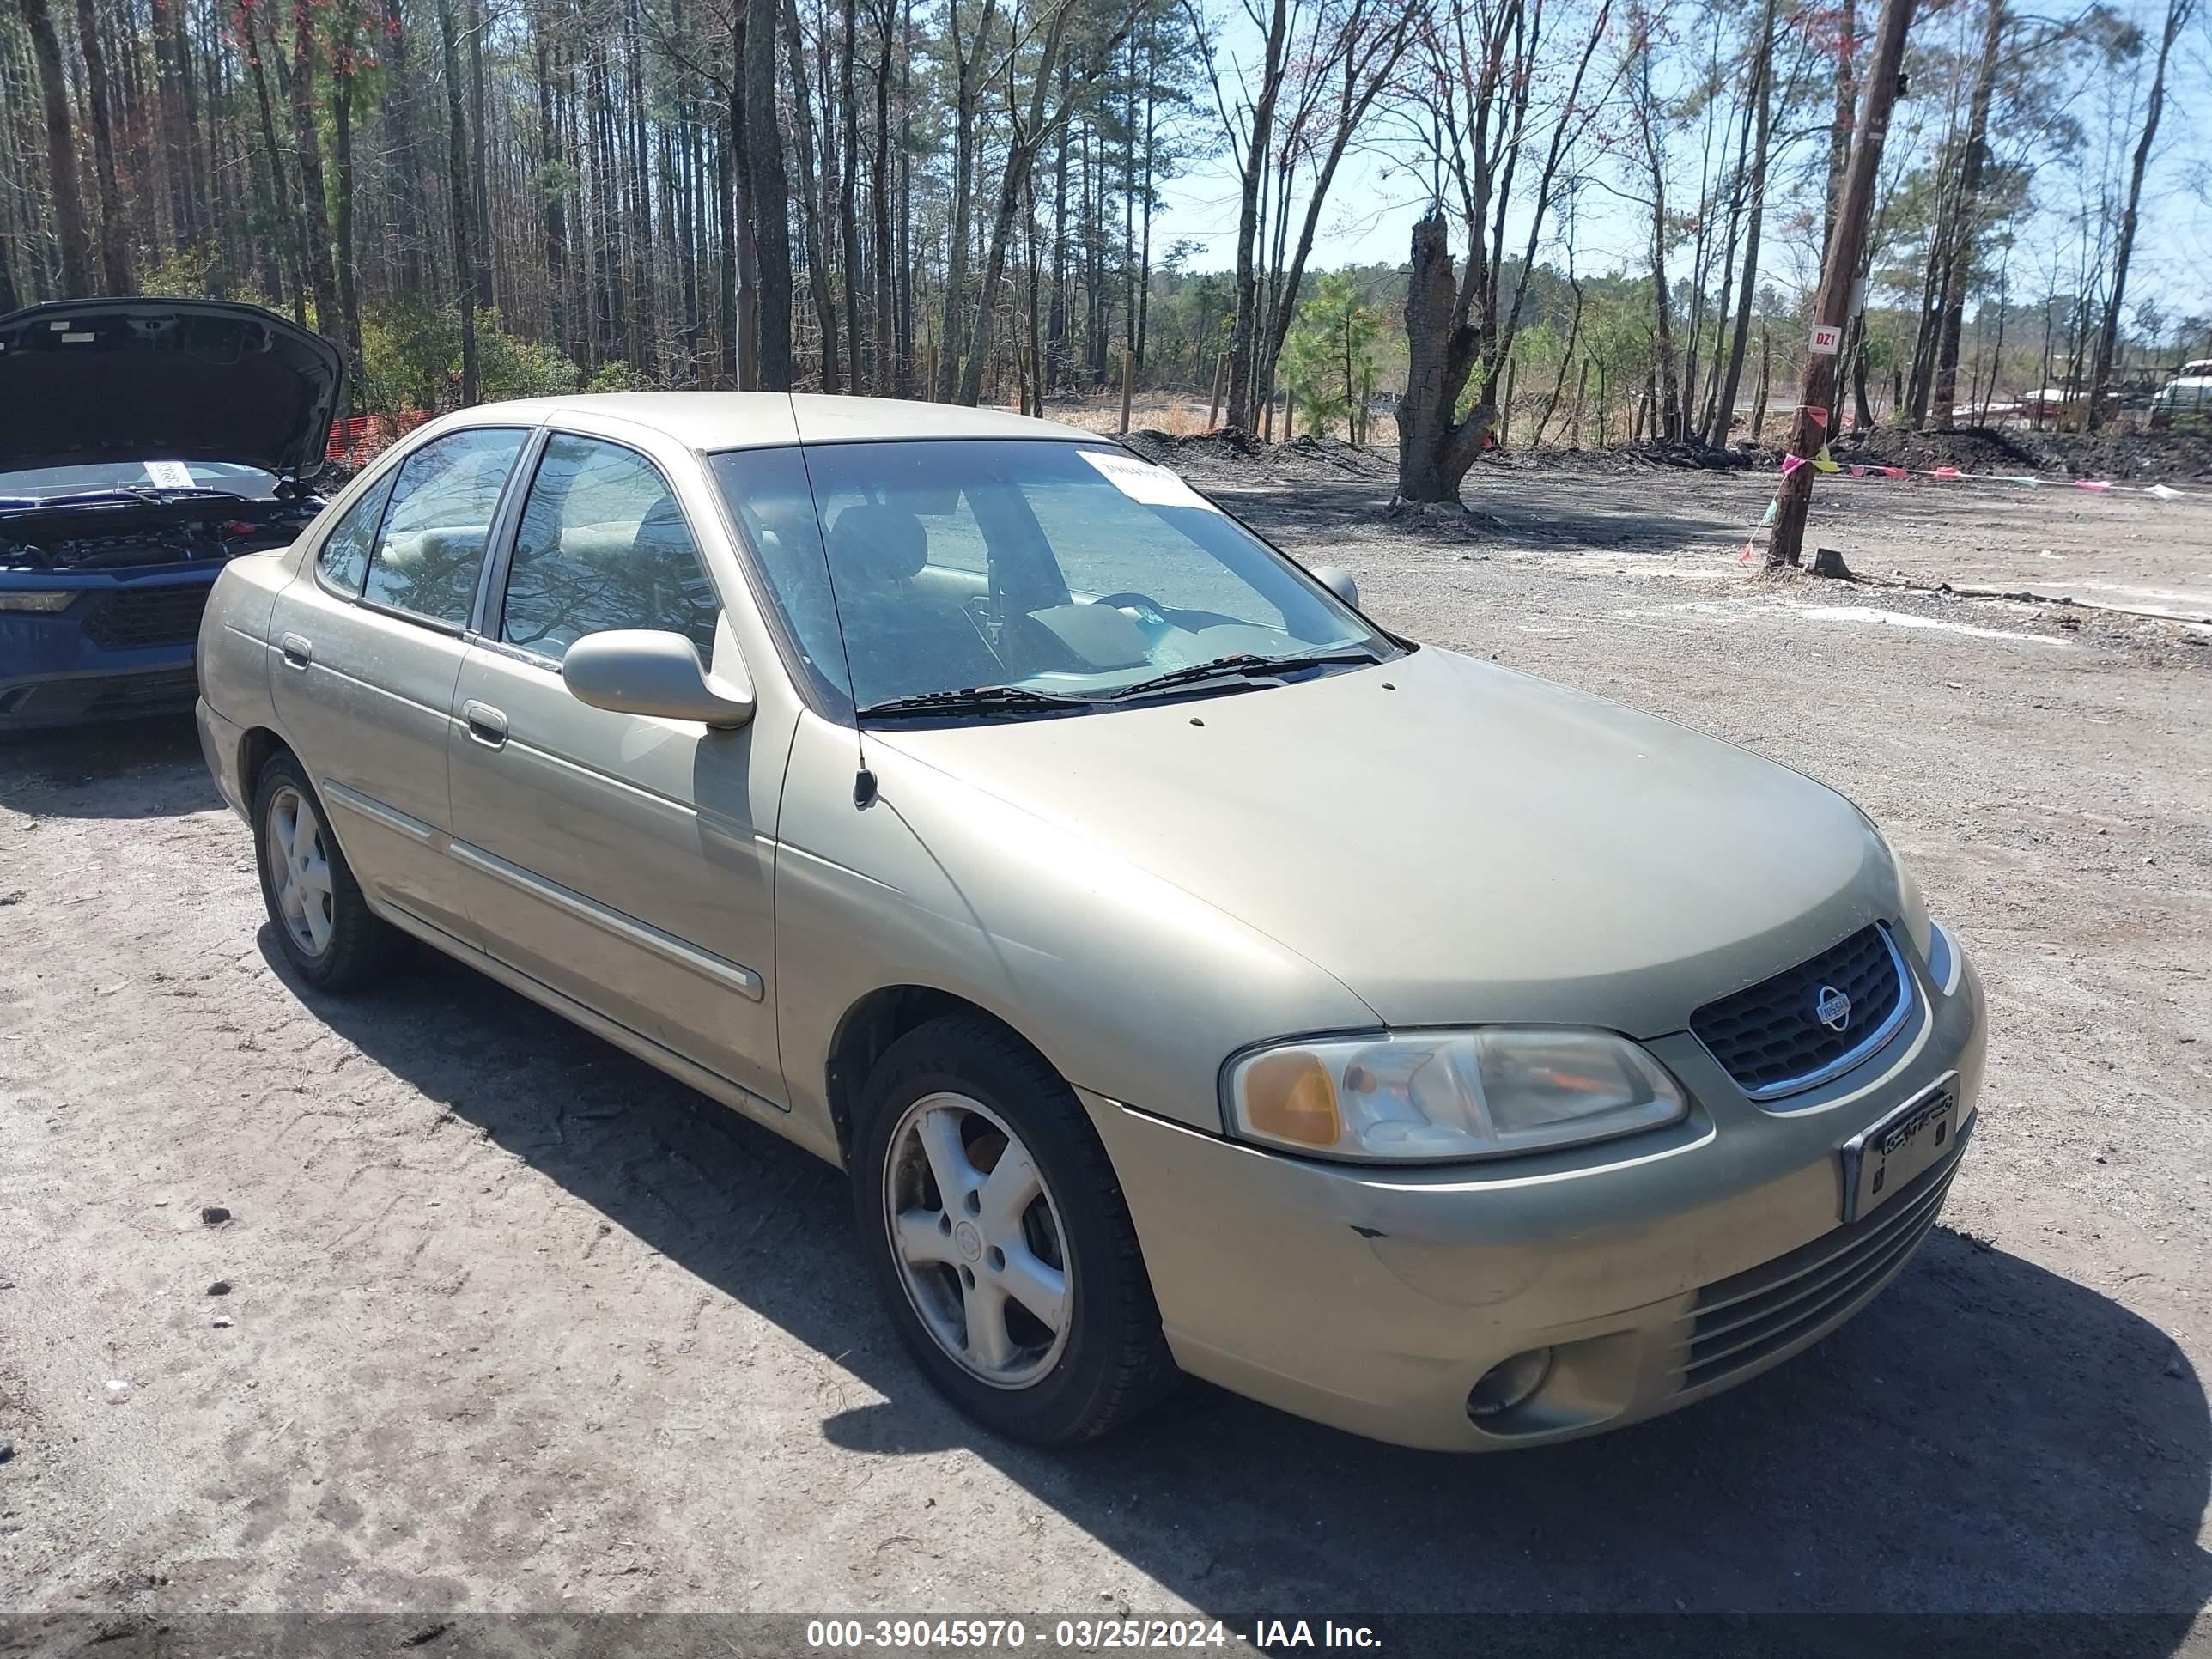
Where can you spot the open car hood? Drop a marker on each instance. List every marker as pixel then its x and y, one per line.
pixel 91 381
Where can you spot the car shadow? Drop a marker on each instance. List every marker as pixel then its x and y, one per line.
pixel 140 769
pixel 1989 1437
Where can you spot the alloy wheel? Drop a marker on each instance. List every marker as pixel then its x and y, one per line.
pixel 978 1240
pixel 299 869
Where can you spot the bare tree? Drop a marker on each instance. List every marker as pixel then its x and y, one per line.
pixel 2177 15
pixel 1480 95
pixel 61 147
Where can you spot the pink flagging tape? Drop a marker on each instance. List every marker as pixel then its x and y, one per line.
pixel 1947 473
pixel 1790 464
pixel 2091 484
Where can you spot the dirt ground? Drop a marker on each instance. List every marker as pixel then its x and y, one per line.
pixel 514 1323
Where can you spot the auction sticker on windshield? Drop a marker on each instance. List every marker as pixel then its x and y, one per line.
pixel 1140 480
pixel 169 475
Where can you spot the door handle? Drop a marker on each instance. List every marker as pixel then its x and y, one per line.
pixel 487 725
pixel 298 650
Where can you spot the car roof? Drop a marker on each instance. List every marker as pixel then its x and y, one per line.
pixel 736 420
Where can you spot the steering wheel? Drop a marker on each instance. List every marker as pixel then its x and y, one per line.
pixel 1148 609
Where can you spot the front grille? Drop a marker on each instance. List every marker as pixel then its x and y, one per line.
pixel 1766 1310
pixel 129 616
pixel 1769 1038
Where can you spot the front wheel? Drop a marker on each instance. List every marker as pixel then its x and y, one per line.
pixel 1000 1239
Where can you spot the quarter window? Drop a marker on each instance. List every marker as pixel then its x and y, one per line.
pixel 431 546
pixel 603 544
pixel 344 557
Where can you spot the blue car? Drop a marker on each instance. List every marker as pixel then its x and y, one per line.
pixel 143 444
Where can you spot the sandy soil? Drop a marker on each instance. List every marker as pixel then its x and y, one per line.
pixel 514 1323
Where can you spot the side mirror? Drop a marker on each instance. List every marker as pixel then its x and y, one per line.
pixel 639 670
pixel 1338 580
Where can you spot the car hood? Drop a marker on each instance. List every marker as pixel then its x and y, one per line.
pixel 1456 841
pixel 165 379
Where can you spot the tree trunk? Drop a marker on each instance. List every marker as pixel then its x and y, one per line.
pixel 349 283
pixel 967 89
pixel 553 202
pixel 1434 449
pixel 1724 413
pixel 770 192
pixel 1243 388
pixel 114 232
pixel 279 185
pixel 322 282
pixel 457 179
pixel 880 216
pixel 1959 268
pixel 61 150
pixel 813 208
pixel 848 218
pixel 2108 337
pixel 479 167
pixel 1839 274
pixel 1669 427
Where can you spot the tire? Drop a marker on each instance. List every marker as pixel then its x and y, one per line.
pixel 328 933
pixel 967 1279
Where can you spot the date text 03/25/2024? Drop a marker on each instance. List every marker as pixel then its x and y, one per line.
pixel 1085 1634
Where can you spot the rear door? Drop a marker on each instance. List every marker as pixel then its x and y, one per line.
pixel 624 860
pixel 369 642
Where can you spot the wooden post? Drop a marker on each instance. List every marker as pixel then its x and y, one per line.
pixel 1758 408
pixel 1832 305
pixel 1220 374
pixel 1129 385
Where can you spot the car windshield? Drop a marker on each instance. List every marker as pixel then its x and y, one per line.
pixel 1070 573
pixel 43 482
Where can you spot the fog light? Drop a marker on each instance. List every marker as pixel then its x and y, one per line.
pixel 1508 1383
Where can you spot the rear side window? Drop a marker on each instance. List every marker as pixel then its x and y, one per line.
pixel 603 544
pixel 344 557
pixel 432 547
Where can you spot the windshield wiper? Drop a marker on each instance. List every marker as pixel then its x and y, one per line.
pixel 1244 665
pixel 153 494
pixel 970 699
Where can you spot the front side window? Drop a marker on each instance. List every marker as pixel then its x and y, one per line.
pixel 602 544
pixel 1071 572
pixel 431 548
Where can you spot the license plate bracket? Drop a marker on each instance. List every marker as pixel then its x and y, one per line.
pixel 1885 1157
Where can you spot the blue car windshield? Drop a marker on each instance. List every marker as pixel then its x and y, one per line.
pixel 41 482
pixel 1070 573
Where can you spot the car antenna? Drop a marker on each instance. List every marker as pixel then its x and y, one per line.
pixel 864 781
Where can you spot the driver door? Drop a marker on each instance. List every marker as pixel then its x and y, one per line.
pixel 624 860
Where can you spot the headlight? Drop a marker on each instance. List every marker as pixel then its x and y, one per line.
pixel 55 599
pixel 1431 1096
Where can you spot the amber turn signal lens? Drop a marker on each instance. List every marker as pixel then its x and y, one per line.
pixel 1289 1096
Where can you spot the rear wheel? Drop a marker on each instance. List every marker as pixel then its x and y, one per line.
pixel 328 932
pixel 1000 1239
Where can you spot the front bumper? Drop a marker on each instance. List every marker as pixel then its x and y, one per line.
pixel 122 649
pixel 1659 1269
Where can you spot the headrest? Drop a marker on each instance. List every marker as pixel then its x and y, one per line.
pixel 886 543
